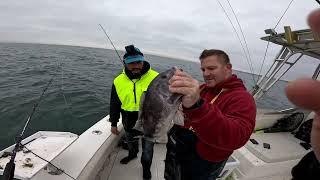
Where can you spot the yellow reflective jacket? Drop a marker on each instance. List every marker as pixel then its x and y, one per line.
pixel 130 91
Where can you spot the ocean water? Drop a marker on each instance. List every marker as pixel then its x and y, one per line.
pixel 79 94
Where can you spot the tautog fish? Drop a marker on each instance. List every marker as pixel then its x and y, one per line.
pixel 159 108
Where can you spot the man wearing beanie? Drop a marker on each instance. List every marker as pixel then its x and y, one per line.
pixel 126 91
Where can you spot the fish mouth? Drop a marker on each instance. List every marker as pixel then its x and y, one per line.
pixel 173 70
pixel 178 101
pixel 175 98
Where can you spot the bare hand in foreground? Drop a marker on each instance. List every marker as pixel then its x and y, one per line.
pixel 305 93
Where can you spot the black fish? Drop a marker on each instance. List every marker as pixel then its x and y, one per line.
pixel 159 107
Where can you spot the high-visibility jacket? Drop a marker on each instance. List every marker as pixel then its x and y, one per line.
pixel 129 91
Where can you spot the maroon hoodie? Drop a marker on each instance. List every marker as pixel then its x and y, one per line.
pixel 226 124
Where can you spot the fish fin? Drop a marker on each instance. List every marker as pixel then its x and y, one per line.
pixel 139 125
pixel 142 97
pixel 178 118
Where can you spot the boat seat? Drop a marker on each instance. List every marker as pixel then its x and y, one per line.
pixel 283 147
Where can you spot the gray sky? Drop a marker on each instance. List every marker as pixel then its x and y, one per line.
pixel 180 28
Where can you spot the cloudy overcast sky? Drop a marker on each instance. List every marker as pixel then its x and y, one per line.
pixel 177 28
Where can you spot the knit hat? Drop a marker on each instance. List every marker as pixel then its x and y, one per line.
pixel 132 54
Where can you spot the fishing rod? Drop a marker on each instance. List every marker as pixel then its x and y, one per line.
pixel 111 43
pixel 8 173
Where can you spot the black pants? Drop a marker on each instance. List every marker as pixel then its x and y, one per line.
pixel 147 154
pixel 130 133
pixel 182 160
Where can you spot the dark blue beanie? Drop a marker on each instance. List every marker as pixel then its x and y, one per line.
pixel 132 54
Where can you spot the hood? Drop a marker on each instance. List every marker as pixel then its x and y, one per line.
pixel 145 68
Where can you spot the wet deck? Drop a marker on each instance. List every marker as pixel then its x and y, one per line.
pixel 133 170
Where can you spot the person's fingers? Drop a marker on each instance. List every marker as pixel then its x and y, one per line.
pixel 315 136
pixel 311 93
pixel 305 93
pixel 314 20
pixel 184 82
pixel 182 74
pixel 180 90
pixel 114 130
pixel 180 78
pixel 174 78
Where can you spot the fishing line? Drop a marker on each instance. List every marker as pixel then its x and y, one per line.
pixel 59 169
pixel 268 44
pixel 242 46
pixel 8 173
pixel 35 106
pixel 243 36
pixel 62 93
pixel 267 47
pixel 10 166
pixel 283 14
pixel 111 43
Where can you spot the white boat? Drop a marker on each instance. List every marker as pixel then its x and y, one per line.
pixel 257 162
pixel 94 155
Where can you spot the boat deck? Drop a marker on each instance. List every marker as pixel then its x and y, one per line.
pixel 133 170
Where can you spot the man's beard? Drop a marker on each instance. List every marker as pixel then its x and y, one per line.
pixel 136 75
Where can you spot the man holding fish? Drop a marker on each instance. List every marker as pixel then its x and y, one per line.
pixel 219 118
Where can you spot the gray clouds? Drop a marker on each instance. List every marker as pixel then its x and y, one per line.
pixel 181 28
